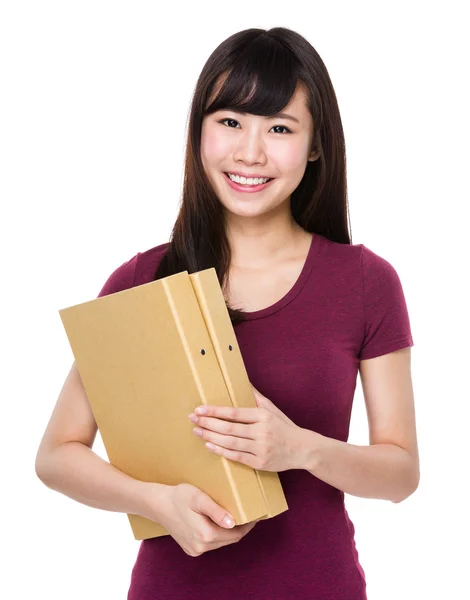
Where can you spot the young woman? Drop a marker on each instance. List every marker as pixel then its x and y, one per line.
pixel 265 203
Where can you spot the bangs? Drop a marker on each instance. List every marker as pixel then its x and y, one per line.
pixel 261 80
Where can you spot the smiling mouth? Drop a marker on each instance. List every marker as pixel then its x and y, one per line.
pixel 245 189
pixel 247 185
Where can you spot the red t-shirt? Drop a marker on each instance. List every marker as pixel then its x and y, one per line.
pixel 303 353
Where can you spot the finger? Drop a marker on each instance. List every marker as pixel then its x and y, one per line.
pixel 231 413
pixel 245 458
pixel 242 430
pixel 229 442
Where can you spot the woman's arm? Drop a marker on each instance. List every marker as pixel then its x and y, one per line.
pixel 73 469
pixel 383 471
pixel 389 467
pixel 66 462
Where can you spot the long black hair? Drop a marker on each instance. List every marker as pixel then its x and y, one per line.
pixel 257 71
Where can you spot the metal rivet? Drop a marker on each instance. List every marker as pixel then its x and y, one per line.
pixel 230 347
pixel 203 351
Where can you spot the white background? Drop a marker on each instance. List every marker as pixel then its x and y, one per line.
pixel 93 109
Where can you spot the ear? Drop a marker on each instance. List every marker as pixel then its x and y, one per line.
pixel 314 155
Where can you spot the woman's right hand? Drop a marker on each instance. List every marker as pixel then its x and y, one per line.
pixel 196 522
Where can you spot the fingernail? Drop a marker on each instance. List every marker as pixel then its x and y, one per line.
pixel 229 522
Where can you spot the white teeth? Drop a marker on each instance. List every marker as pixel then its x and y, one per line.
pixel 249 181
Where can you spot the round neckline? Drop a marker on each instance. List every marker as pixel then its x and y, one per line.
pixel 294 290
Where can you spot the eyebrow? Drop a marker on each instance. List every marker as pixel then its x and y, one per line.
pixel 281 115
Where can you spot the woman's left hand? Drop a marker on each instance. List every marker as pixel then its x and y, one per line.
pixel 263 438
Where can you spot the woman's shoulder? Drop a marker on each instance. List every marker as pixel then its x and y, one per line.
pixel 357 267
pixel 147 262
pixel 137 270
pixel 337 255
pixel 344 254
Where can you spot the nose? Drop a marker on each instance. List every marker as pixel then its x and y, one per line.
pixel 250 148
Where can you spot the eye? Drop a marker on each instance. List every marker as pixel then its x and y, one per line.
pixel 223 121
pixel 282 127
pixel 234 121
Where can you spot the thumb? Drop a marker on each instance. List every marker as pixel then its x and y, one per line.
pixel 217 514
pixel 263 402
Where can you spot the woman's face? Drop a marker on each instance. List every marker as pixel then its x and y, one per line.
pixel 252 145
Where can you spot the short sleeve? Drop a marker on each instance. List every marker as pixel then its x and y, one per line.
pixel 386 320
pixel 121 278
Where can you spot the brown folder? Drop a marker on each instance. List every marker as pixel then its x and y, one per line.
pixel 147 356
pixel 214 310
